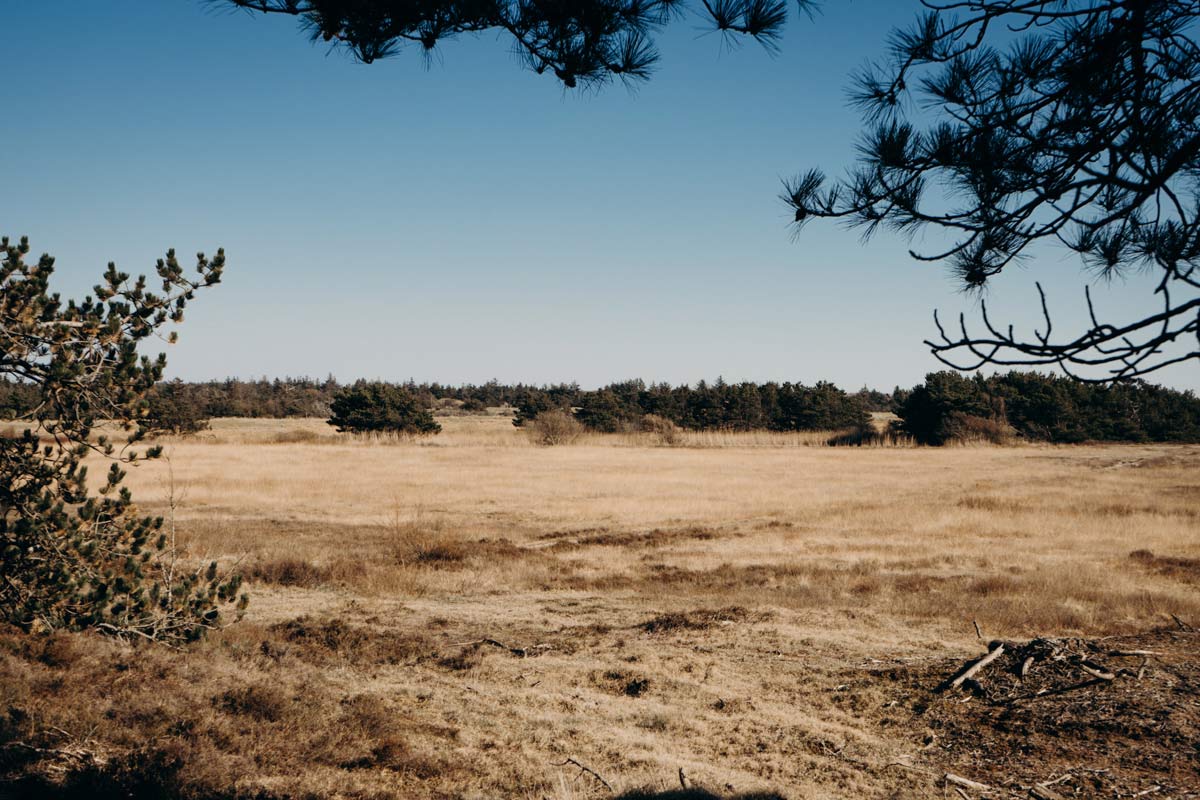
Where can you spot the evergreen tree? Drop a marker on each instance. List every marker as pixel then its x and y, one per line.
pixel 378 408
pixel 70 558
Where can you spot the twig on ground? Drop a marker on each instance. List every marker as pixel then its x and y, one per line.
pixel 583 768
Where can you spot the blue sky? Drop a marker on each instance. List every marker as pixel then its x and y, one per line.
pixel 473 220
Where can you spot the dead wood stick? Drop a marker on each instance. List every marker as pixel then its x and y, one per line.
pixel 966 783
pixel 1025 665
pixel 1063 690
pixel 1041 791
pixel 583 768
pixel 961 793
pixel 978 633
pixel 1098 673
pixel 1151 790
pixel 975 668
pixel 1134 653
pixel 683 779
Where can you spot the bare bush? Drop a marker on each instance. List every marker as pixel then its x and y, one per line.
pixel 968 428
pixel 555 427
pixel 665 432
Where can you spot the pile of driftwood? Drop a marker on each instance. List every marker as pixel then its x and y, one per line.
pixel 1092 663
pixel 1068 717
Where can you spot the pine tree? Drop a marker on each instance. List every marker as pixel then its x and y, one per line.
pixel 69 557
pixel 380 408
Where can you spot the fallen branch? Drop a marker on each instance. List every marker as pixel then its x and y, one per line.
pixel 974 669
pixel 966 783
pixel 1098 673
pixel 584 768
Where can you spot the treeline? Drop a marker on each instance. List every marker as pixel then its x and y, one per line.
pixel 947 407
pixel 742 406
pixel 706 406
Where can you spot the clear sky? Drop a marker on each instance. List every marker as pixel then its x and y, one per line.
pixel 473 220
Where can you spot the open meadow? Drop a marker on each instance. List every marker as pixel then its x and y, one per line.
pixel 470 615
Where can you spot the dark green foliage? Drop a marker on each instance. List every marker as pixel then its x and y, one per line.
pixel 605 411
pixel 531 401
pixel 930 409
pixel 69 558
pixel 17 398
pixel 1005 125
pixel 1037 407
pixel 1049 408
pixel 725 406
pixel 474 406
pixel 380 408
pixel 171 409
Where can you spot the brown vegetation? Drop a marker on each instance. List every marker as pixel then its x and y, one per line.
pixel 459 619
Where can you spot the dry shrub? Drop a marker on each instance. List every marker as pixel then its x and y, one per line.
pixel 994 504
pixel 299 436
pixel 305 574
pixel 664 432
pixel 856 437
pixel 1177 567
pixel 218 722
pixel 621 682
pixel 289 572
pixel 417 542
pixel 320 641
pixel 263 702
pixel 701 619
pixel 551 428
pixel 967 429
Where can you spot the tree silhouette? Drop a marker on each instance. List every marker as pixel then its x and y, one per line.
pixel 1072 122
pixel 581 42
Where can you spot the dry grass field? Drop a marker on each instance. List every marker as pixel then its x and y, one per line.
pixel 473 616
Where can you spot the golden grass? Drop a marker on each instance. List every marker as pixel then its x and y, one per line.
pixel 693 606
